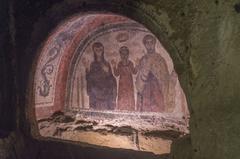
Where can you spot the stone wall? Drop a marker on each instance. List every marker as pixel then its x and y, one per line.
pixel 7 88
pixel 215 84
pixel 205 37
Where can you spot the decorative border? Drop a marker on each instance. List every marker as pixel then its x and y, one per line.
pixel 44 86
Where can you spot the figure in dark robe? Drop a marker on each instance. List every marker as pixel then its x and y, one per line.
pixel 125 71
pixel 152 79
pixel 101 84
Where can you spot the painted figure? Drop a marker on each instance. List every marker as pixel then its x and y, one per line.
pixel 125 70
pixel 101 84
pixel 152 79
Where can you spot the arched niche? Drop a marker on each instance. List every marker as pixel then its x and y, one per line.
pixel 60 81
pixel 54 60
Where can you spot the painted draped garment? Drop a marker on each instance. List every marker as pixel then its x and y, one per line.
pixel 101 86
pixel 126 100
pixel 152 83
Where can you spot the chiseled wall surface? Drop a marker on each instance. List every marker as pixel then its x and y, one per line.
pixel 205 34
pixel 214 58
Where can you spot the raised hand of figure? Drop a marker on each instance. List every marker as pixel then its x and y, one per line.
pixel 86 63
pixel 105 68
pixel 137 63
pixel 114 63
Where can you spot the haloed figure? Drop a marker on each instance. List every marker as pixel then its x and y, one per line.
pixel 101 84
pixel 125 70
pixel 152 79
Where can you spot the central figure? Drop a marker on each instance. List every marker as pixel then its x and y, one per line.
pixel 101 84
pixel 125 71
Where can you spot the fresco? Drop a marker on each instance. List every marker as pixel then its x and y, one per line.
pixel 46 72
pixel 106 80
pixel 124 69
pixel 53 50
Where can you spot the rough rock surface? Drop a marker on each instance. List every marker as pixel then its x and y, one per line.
pixel 117 130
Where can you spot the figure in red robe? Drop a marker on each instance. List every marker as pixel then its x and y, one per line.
pixel 125 71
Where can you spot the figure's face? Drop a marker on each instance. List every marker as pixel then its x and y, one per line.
pixel 98 51
pixel 150 45
pixel 124 55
